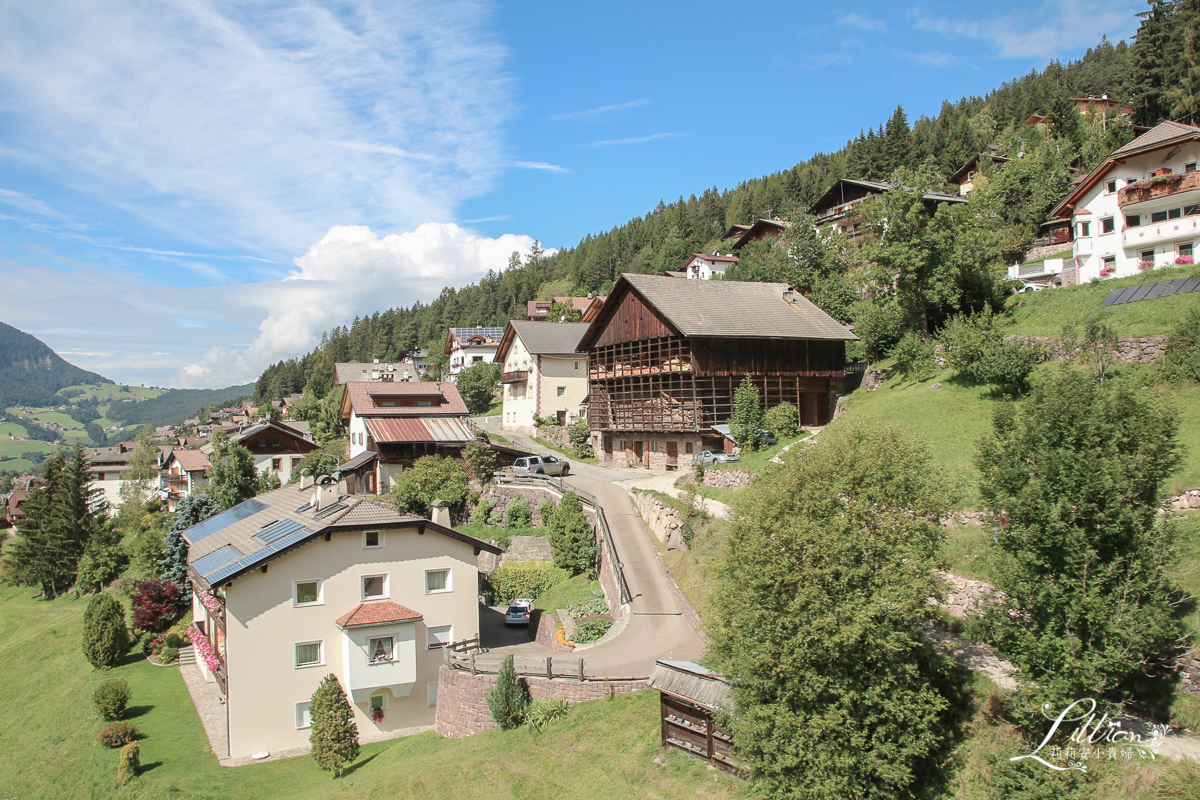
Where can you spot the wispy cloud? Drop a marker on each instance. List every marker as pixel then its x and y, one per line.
pixel 865 23
pixel 933 58
pixel 1060 27
pixel 496 218
pixel 26 203
pixel 593 112
pixel 820 60
pixel 540 165
pixel 634 139
pixel 255 125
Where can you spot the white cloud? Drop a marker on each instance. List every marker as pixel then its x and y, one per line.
pixel 1059 27
pixel 933 58
pixel 865 23
pixel 593 112
pixel 540 165
pixel 253 125
pixel 634 140
pixel 26 203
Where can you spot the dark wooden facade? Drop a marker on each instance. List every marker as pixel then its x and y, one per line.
pixel 689 727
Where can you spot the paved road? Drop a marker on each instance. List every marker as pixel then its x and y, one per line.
pixel 656 627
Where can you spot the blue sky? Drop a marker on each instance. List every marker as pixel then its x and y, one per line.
pixel 189 192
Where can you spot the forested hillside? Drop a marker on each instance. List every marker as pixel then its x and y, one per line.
pixel 177 405
pixel 31 373
pixel 1158 75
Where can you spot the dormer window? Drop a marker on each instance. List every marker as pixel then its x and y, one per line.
pixel 424 402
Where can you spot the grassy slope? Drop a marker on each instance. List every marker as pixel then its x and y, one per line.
pixel 48 743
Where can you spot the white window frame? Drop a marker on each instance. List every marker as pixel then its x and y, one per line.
pixel 1110 187
pixel 431 690
pixel 431 643
pixel 362 586
pixel 560 391
pixel 1111 221
pixel 383 698
pixel 320 662
pixel 371 650
pixel 1108 261
pixel 449 580
pixel 302 711
pixel 576 365
pixel 320 601
pixel 382 542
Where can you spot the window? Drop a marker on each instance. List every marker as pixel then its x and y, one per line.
pixel 377 703
pixel 303 719
pixel 576 365
pixel 1133 220
pixel 374 587
pixel 431 691
pixel 1110 262
pixel 1158 216
pixel 687 447
pixel 561 391
pixel 439 637
pixel 476 359
pixel 307 593
pixel 308 654
pixel 1175 213
pixel 277 464
pixel 1189 211
pixel 1111 187
pixel 1085 229
pixel 372 539
pixel 654 447
pixel 425 403
pixel 1148 255
pixel 381 650
pixel 1189 167
pixel 1107 225
pixel 437 580
pixel 1185 249
pixel 274 441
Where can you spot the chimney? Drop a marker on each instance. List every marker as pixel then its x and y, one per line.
pixel 440 513
pixel 306 481
pixel 327 492
pixel 376 361
pixel 789 295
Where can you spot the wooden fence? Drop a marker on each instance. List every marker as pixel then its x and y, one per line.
pixel 548 667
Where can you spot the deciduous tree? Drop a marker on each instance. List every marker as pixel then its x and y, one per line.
pixel 233 478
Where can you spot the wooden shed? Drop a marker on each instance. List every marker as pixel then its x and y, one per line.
pixel 689 695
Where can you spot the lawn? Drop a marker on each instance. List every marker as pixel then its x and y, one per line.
pixel 48 745
pixel 1044 313
pixel 106 391
pixel 565 451
pixel 493 410
pixel 578 589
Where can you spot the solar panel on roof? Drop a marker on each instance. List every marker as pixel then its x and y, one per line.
pixel 1142 293
pixel 216 559
pixel 254 559
pixel 1112 297
pixel 331 510
pixel 224 520
pixel 1191 285
pixel 275 532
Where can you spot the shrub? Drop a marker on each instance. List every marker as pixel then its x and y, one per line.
pixel 431 478
pixel 129 765
pixel 783 420
pixel 155 604
pixel 105 637
pixel 334 735
pixel 976 348
pixel 914 356
pixel 508 699
pixel 174 640
pixel 111 698
pixel 581 439
pixel 483 511
pixel 545 509
pixel 524 579
pixel 543 712
pixel 1181 356
pixel 879 324
pixel 118 734
pixel 572 540
pixel 495 516
pixel 480 461
pixel 590 608
pixel 168 654
pixel 591 630
pixel 747 418
pixel 519 513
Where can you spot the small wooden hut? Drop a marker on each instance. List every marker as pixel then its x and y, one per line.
pixel 690 694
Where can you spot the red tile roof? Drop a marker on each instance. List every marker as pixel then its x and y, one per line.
pixel 191 460
pixel 383 612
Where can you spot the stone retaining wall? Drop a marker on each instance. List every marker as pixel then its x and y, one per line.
pixel 462 708
pixel 661 519
pixel 1186 500
pixel 532 494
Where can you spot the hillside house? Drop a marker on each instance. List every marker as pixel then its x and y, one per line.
pixel 307 580
pixel 739 235
pixel 665 357
pixel 1140 206
pixel 12 507
pixel 387 372
pixel 109 467
pixel 544 373
pixel 393 424
pixel 835 210
pixel 469 346
pixel 182 472
pixel 277 447
pixel 703 266
pixel 537 310
pixel 964 178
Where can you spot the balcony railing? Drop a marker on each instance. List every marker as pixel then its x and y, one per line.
pixel 1155 188
pixel 1144 236
pixel 517 376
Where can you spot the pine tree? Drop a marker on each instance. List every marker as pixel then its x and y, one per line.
pixel 105 634
pixel 192 510
pixel 747 419
pixel 897 144
pixel 103 559
pixel 334 736
pixel 233 478
pixel 508 699
pixel 572 541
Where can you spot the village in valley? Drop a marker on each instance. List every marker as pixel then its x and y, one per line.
pixel 875 477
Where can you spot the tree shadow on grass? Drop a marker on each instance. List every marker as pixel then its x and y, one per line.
pixel 133 712
pixel 144 768
pixel 350 769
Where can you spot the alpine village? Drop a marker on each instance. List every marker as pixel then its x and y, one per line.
pixel 875 477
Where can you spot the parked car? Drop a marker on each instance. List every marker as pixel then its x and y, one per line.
pixel 706 458
pixel 540 465
pixel 1030 286
pixel 519 612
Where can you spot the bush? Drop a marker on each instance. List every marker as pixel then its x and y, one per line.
pixel 155 604
pixel 431 478
pixel 588 609
pixel 571 537
pixel 545 509
pixel 495 516
pixel 483 511
pixel 914 356
pixel 524 579
pixel 747 419
pixel 508 700
pixel 168 654
pixel 581 439
pixel 111 698
pixel 105 636
pixel 543 712
pixel 1181 356
pixel 879 324
pixel 976 347
pixel 129 765
pixel 174 640
pixel 783 420
pixel 118 734
pixel 519 514
pixel 480 461
pixel 591 630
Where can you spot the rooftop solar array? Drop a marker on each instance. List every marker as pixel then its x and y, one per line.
pixel 252 560
pixel 216 559
pixel 333 509
pixel 276 531
pixel 1148 291
pixel 491 333
pixel 224 520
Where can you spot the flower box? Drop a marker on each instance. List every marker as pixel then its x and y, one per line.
pixel 1145 265
pixel 1185 260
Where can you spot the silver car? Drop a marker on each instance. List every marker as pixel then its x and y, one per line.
pixel 540 465
pixel 706 458
pixel 519 612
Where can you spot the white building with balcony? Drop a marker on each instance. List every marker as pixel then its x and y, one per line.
pixel 467 347
pixel 1140 209
pixel 306 581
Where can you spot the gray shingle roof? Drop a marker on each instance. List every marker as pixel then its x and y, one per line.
pixel 1159 134
pixel 548 338
pixel 736 309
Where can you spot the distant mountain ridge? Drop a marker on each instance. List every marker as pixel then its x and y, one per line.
pixel 31 373
pixel 176 405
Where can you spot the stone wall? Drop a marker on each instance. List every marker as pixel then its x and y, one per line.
pixel 1186 500
pixel 1129 350
pixel 661 519
pixel 532 494
pixel 556 435
pixel 462 708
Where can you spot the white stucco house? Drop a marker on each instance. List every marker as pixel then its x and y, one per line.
pixel 1139 209
pixel 469 346
pixel 544 373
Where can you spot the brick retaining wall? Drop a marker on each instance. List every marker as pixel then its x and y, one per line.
pixel 462 708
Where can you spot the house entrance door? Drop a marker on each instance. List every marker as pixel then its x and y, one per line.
pixel 638 448
pixel 672 454
pixel 562 417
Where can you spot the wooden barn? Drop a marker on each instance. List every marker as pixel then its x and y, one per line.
pixel 689 695
pixel 665 357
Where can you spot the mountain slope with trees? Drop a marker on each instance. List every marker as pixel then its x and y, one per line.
pixel 31 373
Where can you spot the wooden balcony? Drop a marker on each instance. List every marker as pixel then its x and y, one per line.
pixel 517 376
pixel 1159 187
